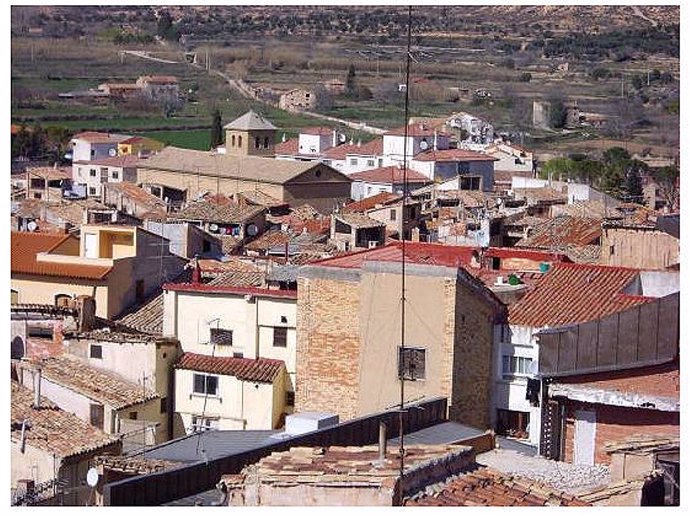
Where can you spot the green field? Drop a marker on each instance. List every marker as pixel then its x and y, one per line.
pixel 193 139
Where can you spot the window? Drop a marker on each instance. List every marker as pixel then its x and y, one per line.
pixel 205 384
pixel 470 183
pixel 279 337
pixel 353 161
pixel 92 190
pixel 237 354
pixel 612 250
pixel 394 214
pixel 62 300
pixel 512 423
pixel 232 139
pixel 116 174
pixel 45 332
pixel 380 162
pixel 164 405
pixel 92 172
pixel 266 142
pixel 516 366
pixel 239 140
pixel 290 399
pixel 257 142
pixel 221 336
pixel 283 319
pixel 133 415
pixel 96 351
pixel 14 297
pixel 411 363
pixel 96 415
pixel 371 163
pixel 93 152
pixel 202 424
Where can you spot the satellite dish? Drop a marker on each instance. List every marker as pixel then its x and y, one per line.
pixel 424 145
pixel 112 152
pixel 213 227
pixel 32 226
pixel 92 477
pixel 252 230
pixel 342 138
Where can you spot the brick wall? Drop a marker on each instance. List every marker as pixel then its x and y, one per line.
pixel 327 346
pixel 471 392
pixel 618 423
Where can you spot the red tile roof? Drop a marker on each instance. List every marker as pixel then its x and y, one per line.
pixel 126 161
pixel 572 293
pixel 263 370
pixel 420 129
pixel 370 202
pixel 487 487
pixel 389 175
pixel 317 131
pixel 372 148
pixel 656 380
pixel 453 155
pixel 528 254
pixel 96 137
pixel 24 247
pixel 561 231
pixel 240 291
pixel 51 173
pixel 52 429
pixel 415 252
pixel 290 147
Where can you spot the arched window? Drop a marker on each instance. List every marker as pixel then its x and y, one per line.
pixel 266 142
pixel 257 142
pixel 14 297
pixel 239 141
pixel 17 348
pixel 62 300
pixel 233 140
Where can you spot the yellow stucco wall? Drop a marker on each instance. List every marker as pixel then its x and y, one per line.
pixel 42 290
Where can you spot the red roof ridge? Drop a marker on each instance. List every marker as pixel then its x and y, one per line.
pixel 223 289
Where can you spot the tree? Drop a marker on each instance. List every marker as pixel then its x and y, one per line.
pixel 165 23
pixel 216 130
pixel 350 84
pixel 667 180
pixel 632 184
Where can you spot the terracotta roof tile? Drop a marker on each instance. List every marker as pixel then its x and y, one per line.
pixel 97 384
pixel 340 152
pixel 210 212
pixel 487 487
pixel 452 155
pixel 537 195
pixel 289 147
pixel 136 194
pixel 268 240
pixel 96 137
pixel 24 247
pixel 574 293
pixel 260 198
pixel 370 202
pixel 52 429
pixel 126 161
pixel 263 370
pixel 391 174
pixel 359 220
pixel 50 173
pixel 559 232
pixel 415 129
pixel 231 290
pixel 240 279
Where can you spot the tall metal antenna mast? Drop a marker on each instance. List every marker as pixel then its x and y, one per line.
pixel 401 358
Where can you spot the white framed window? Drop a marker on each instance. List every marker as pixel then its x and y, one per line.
pixel 516 366
pixel 92 172
pixel 205 384
pixel 115 174
pixel 353 161
pixel 370 163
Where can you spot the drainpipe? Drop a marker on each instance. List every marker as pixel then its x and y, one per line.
pixel 382 441
pixel 37 388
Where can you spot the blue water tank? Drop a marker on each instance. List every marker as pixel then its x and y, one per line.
pixel 544 267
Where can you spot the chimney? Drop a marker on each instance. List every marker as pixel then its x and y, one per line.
pixel 335 138
pixel 196 271
pixel 37 389
pixel 86 306
pixel 382 441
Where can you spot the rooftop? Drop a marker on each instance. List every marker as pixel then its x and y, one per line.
pixel 358 220
pixel 418 129
pixel 96 384
pixel 210 212
pixel 96 137
pixel 127 161
pixel 559 232
pixel 538 195
pixel 391 174
pixel 250 121
pixel 50 173
pixel 289 147
pixel 231 290
pixel 52 429
pixel 453 155
pixel 25 246
pixel 260 198
pixel 263 370
pixel 484 486
pixel 370 202
pixel 136 193
pixel 340 152
pixel 574 293
pixel 252 168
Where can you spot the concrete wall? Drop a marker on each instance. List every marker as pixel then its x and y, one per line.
pixel 270 312
pixel 616 424
pixel 43 289
pixel 638 248
pixel 238 405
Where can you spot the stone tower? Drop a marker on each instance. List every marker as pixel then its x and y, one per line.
pixel 250 135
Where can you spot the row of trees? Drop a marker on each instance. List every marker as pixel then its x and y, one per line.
pixel 616 173
pixel 49 143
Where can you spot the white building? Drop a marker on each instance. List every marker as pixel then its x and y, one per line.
pixel 92 174
pixel 90 145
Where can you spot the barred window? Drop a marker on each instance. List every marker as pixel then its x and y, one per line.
pixel 412 363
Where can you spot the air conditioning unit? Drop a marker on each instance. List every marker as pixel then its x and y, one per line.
pixel 373 243
pixel 499 280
